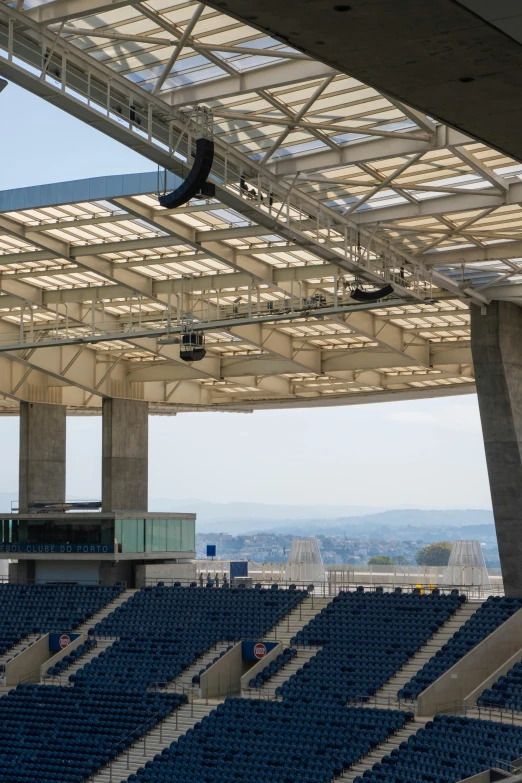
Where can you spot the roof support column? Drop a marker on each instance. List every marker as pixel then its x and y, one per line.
pixel 496 344
pixel 42 454
pixel 125 460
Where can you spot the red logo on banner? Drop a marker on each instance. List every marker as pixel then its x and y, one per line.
pixel 259 650
pixel 64 641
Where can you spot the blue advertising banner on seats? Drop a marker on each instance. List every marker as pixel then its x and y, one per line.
pixel 238 568
pixel 255 651
pixel 59 641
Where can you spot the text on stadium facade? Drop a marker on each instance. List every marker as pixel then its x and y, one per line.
pixel 76 549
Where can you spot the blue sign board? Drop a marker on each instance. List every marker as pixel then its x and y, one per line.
pixel 58 549
pixel 238 568
pixel 256 651
pixel 211 550
pixel 59 641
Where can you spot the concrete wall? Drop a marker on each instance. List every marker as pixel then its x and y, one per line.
pixel 121 571
pixel 83 571
pixel 474 668
pixel 125 445
pixel 472 697
pixel 148 573
pixel 224 677
pixel 59 655
pixel 42 453
pixel 260 665
pixel 26 666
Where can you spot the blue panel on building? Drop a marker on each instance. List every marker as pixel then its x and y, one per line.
pixel 211 550
pixel 255 651
pixel 238 568
pixel 59 641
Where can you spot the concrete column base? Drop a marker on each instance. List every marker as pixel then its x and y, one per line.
pixel 496 343
pixel 42 453
pixel 125 461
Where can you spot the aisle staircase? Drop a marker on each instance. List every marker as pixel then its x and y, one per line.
pixel 88 657
pixel 295 620
pixel 178 723
pixel 268 691
pixel 390 689
pixel 22 645
pixel 383 750
pixel 27 641
pixel 183 683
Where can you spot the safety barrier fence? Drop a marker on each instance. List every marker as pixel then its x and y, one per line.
pixel 329 589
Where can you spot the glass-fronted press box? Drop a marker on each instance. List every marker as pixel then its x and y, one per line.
pixel 97 533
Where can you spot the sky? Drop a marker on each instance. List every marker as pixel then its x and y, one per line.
pixel 416 454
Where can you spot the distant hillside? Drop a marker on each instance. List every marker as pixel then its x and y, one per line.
pixel 239 518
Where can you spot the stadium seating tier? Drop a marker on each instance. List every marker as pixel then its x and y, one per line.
pixel 366 637
pixel 27 609
pixel 63 735
pixel 163 630
pixel 252 739
pixel 493 612
pixel 506 693
pixel 447 750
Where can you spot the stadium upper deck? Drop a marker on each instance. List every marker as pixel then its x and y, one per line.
pixel 323 185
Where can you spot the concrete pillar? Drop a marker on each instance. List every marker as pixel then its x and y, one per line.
pixel 125 461
pixel 496 343
pixel 42 453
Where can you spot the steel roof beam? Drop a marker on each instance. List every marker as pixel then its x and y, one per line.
pixel 63 10
pixel 366 152
pixel 266 78
pixel 441 205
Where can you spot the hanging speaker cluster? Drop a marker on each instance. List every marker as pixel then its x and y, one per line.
pixel 196 182
pixel 192 347
pixel 361 295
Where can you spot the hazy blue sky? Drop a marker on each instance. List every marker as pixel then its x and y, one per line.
pixel 426 453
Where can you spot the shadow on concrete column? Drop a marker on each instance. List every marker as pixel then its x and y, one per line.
pixel 42 454
pixel 496 344
pixel 125 458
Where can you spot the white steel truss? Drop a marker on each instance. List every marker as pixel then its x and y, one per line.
pixel 322 185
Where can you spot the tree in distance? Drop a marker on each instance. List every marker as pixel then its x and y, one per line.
pixel 401 560
pixel 380 560
pixel 436 554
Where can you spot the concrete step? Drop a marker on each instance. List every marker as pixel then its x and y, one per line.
pixel 269 688
pixel 183 683
pixel 383 750
pixel 16 649
pixel 390 689
pixel 103 642
pixel 295 620
pixel 106 611
pixel 63 679
pixel 160 737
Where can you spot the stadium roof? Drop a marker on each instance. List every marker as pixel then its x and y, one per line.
pixel 346 188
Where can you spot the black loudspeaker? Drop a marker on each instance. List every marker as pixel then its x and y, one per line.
pixel 371 296
pixel 195 182
pixel 192 347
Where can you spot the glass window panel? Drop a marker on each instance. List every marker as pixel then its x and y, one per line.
pixel 129 530
pixel 140 535
pixel 117 536
pixel 188 536
pixel 149 523
pixel 173 535
pixel 159 535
